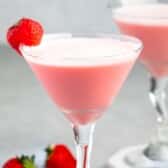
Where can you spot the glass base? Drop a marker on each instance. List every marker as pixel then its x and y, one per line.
pixel 133 157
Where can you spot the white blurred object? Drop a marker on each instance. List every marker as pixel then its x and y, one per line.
pixel 133 2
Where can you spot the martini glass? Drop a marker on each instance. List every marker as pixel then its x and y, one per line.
pixel 149 22
pixel 82 74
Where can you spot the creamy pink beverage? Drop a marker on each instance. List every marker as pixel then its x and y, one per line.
pixel 82 75
pixel 149 23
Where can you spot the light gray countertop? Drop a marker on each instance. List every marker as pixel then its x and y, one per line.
pixel 29 120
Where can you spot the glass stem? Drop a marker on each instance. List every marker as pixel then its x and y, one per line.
pixel 83 139
pixel 157 96
pixel 158 148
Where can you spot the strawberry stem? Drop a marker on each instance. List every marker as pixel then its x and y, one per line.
pixel 48 150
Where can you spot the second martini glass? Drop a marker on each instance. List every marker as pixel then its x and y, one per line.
pixel 82 74
pixel 149 22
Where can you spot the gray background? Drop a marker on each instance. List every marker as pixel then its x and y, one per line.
pixel 29 120
pixel 59 15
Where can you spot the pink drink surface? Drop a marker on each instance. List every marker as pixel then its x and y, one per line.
pixel 81 87
pixel 149 23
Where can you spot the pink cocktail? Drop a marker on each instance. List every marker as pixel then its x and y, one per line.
pixel 89 89
pixel 149 23
pixel 82 75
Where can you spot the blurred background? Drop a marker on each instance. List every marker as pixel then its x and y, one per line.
pixel 29 120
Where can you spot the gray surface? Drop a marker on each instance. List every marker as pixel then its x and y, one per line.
pixel 29 120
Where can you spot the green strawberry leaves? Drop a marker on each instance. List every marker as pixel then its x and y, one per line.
pixel 28 162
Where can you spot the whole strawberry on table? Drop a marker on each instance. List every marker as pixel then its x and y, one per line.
pixel 20 162
pixel 59 156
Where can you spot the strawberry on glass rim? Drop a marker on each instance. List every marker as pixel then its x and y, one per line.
pixel 27 32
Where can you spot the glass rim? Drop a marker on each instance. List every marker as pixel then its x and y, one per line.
pixel 117 13
pixel 51 36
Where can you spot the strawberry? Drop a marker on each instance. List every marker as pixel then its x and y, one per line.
pixel 26 31
pixel 59 156
pixel 22 162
